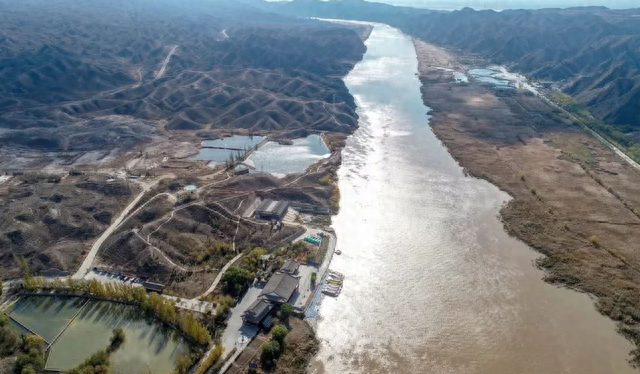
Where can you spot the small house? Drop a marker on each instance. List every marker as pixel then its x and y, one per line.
pixel 272 210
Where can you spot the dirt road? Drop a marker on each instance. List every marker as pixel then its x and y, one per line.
pixel 88 260
pixel 163 68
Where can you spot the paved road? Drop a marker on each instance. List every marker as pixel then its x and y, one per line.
pixel 219 276
pixel 237 334
pixel 611 146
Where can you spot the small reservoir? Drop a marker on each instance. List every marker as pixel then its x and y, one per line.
pixel 219 150
pixel 279 159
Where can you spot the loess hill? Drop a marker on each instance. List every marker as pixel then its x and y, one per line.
pixel 592 52
pixel 91 87
pixel 80 75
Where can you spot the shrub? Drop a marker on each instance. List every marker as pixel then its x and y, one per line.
pixel 224 304
pixel 270 353
pixel 183 363
pixel 9 339
pixel 32 358
pixel 235 280
pixel 286 310
pixel 595 241
pixel 97 363
pixel 278 333
pixel 117 339
pixel 326 180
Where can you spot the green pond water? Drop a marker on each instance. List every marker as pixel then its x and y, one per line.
pixel 46 316
pixel 148 345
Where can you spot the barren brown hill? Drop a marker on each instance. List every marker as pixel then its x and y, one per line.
pixel 592 52
pixel 195 65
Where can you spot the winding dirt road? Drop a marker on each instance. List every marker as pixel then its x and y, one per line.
pixel 88 260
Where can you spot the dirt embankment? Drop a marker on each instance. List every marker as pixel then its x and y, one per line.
pixel 573 199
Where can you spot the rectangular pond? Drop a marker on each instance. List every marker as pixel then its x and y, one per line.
pixel 279 159
pixel 225 147
pixel 149 344
pixel 45 316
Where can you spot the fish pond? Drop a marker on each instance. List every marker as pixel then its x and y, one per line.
pixel 280 159
pixel 75 328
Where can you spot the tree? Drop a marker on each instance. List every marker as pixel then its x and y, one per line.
pixel 286 310
pixel 32 358
pixel 278 333
pixel 314 277
pixel 117 339
pixel 9 339
pixel 1 287
pixel 97 363
pixel 235 280
pixel 183 363
pixel 270 353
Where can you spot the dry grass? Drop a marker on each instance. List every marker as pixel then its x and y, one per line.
pixel 583 211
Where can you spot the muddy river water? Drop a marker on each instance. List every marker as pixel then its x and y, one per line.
pixel 433 282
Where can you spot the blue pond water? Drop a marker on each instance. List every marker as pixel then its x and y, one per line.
pixel 281 159
pixel 215 155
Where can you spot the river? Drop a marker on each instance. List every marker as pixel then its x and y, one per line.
pixel 433 282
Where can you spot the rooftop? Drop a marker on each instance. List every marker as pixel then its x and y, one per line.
pixel 269 206
pixel 290 266
pixel 280 287
pixel 257 311
pixel 153 286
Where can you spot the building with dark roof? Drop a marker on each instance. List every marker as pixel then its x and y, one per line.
pixel 54 272
pixel 153 287
pixel 257 312
pixel 290 267
pixel 272 210
pixel 280 288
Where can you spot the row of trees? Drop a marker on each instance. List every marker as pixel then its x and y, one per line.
pixel 152 303
pixel 212 358
pixel 184 363
pixel 273 348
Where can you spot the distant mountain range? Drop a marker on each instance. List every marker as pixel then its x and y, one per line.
pixel 594 52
